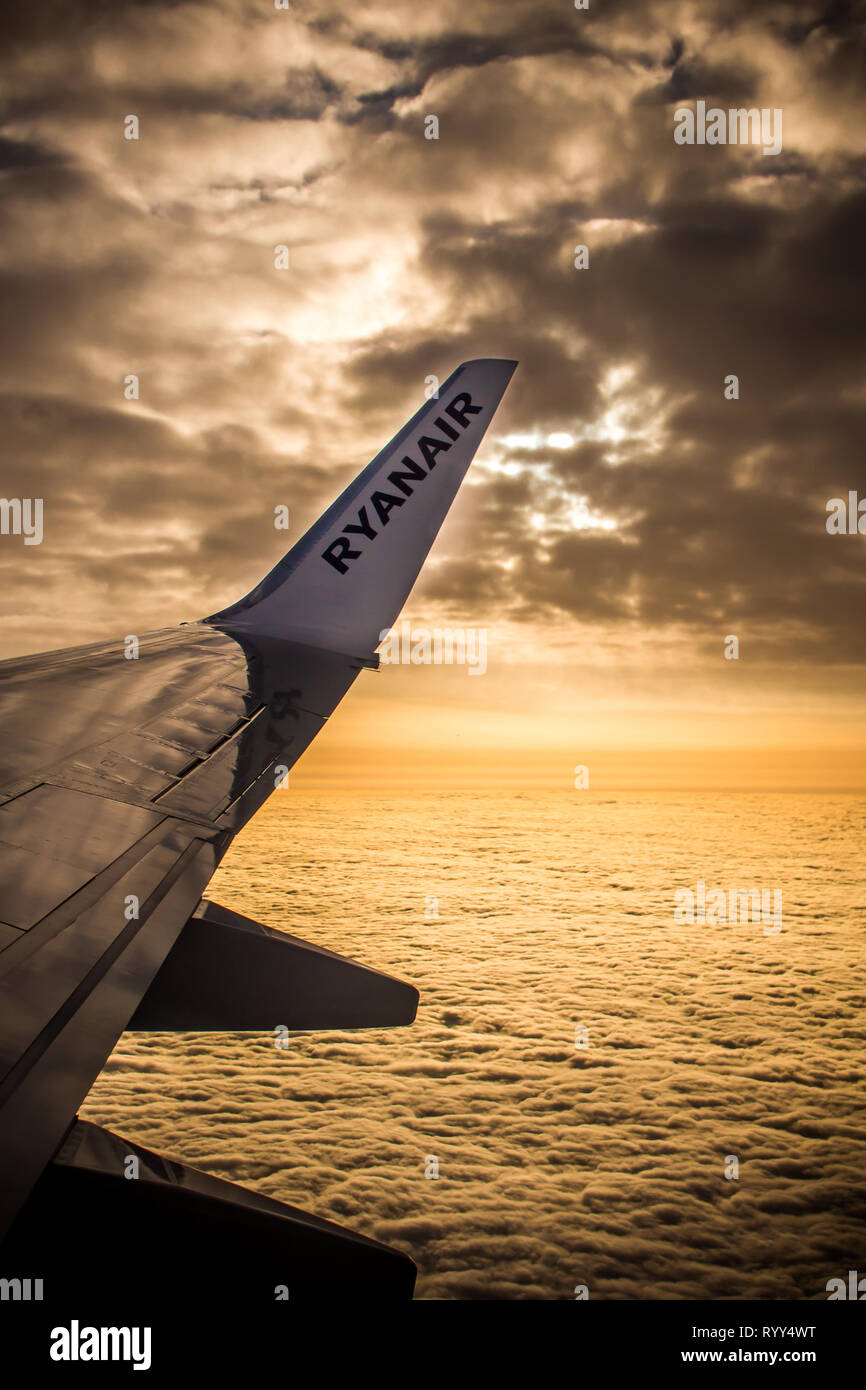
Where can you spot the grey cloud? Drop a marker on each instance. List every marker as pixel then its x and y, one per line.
pixel 721 518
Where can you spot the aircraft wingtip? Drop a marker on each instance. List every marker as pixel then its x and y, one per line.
pixel 511 362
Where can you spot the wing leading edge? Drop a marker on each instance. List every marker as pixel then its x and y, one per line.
pixel 122 784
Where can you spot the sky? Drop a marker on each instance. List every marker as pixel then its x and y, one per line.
pixel 623 520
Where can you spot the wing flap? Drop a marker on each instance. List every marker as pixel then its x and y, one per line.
pixel 193 1238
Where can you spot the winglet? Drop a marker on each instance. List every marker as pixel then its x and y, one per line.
pixel 347 579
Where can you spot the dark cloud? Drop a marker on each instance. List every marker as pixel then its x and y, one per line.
pixel 26 154
pixel 306 128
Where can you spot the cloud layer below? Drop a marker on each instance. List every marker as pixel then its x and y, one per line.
pixel 558 1165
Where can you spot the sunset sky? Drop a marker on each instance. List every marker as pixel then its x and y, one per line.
pixel 608 566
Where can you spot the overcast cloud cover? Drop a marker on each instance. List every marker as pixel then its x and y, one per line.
pixel 674 512
pixel 672 518
pixel 558 1166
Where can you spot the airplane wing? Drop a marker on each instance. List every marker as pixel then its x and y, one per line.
pixel 126 769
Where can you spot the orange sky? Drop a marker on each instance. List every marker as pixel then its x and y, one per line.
pixel 622 515
pixel 425 726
